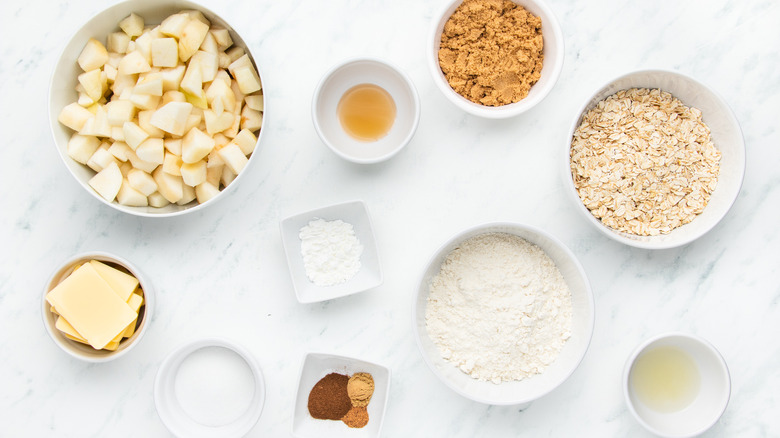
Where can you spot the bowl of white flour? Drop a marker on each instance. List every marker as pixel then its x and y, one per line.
pixel 503 313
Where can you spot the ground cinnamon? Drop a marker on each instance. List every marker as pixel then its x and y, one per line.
pixel 328 400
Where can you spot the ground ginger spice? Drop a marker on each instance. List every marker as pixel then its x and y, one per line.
pixel 491 51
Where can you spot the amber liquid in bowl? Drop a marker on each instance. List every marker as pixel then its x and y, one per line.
pixel 366 112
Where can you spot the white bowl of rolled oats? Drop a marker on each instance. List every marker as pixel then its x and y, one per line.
pixel 655 159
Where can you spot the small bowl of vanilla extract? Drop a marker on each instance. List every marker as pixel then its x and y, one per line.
pixel 365 110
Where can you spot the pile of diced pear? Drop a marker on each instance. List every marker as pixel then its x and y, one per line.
pixel 166 114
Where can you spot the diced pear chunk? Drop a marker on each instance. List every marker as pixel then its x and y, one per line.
pixel 173 96
pixel 142 181
pixel 194 14
pixel 247 79
pixel 117 42
pixel 150 83
pixel 187 195
pixel 234 159
pixel 196 145
pixel 172 77
pixel 192 82
pixel 134 135
pixel 145 101
pixel 138 163
pixel 144 119
pixel 134 62
pixel 120 111
pixel 174 25
pixel 73 116
pixel 81 147
pixel 172 164
pixel 234 53
pixel 157 200
pixel 107 182
pixel 119 150
pixel 93 56
pixel 251 119
pixel 169 186
pixel 191 38
pixel 130 197
pixel 208 64
pixel 100 159
pixel 246 140
pixel 255 101
pixel 173 145
pixel 165 52
pixel 193 173
pixel 210 45
pixel 133 25
pixel 214 174
pixel 217 123
pixel 222 37
pixel 92 83
pixel 206 191
pixel 172 117
pixel 151 150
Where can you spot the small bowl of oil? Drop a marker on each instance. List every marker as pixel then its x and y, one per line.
pixel 365 110
pixel 676 385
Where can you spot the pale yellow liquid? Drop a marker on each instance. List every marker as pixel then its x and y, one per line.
pixel 366 112
pixel 665 379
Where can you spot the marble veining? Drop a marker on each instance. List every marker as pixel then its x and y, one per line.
pixel 221 271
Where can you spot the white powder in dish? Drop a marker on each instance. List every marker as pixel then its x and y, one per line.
pixel 331 252
pixel 499 309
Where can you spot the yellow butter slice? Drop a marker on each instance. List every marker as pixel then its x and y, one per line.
pixel 122 283
pixel 91 306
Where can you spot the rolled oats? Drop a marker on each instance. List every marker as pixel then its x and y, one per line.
pixel 643 162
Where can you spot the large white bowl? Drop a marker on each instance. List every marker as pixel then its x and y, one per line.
pixel 65 78
pixel 82 351
pixel 553 62
pixel 526 390
pixel 726 135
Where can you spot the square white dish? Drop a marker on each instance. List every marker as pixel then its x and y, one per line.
pixel 318 365
pixel 368 277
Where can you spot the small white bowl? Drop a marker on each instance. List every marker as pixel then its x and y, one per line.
pixel 83 351
pixel 316 366
pixel 370 274
pixel 553 63
pixel 348 74
pixel 726 135
pixel 208 352
pixel 706 408
pixel 65 78
pixel 526 390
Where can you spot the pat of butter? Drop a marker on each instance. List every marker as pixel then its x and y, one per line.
pixel 123 284
pixel 65 327
pixel 91 306
pixel 134 302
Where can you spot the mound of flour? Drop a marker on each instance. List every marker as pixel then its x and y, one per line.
pixel 499 309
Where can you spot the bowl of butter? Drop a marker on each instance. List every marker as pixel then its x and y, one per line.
pixel 97 306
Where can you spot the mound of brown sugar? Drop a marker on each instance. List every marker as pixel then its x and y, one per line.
pixel 491 51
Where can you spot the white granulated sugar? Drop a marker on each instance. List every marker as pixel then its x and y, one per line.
pixel 499 308
pixel 331 252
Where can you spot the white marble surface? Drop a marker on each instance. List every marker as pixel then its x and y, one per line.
pixel 221 272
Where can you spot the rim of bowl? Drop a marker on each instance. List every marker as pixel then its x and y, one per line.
pixel 504 111
pixel 485 227
pixel 375 60
pixel 695 338
pixel 149 304
pixel 54 123
pixel 614 234
pixel 170 366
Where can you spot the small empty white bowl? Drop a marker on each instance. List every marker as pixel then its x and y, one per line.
pixel 83 351
pixel 318 365
pixel 526 390
pixel 368 277
pixel 348 74
pixel 195 369
pixel 726 136
pixel 707 406
pixel 551 68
